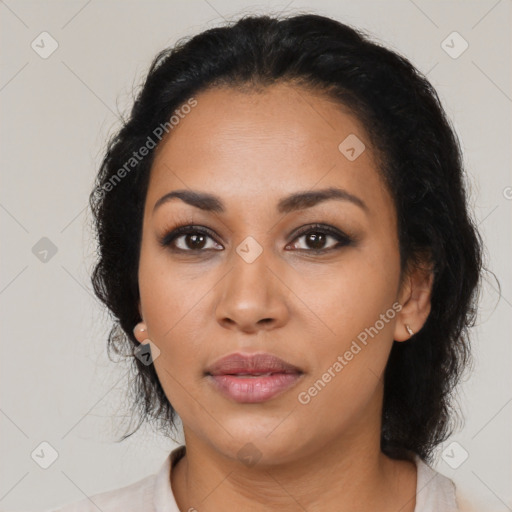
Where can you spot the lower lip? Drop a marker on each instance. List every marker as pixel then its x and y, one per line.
pixel 253 389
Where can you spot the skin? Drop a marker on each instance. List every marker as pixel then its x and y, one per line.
pixel 252 149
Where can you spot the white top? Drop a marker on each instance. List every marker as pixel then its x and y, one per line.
pixel 434 493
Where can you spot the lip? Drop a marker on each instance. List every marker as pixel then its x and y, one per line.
pixel 271 376
pixel 261 362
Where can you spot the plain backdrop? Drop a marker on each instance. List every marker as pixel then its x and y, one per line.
pixel 57 384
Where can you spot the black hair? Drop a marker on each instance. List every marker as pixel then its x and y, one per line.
pixel 420 161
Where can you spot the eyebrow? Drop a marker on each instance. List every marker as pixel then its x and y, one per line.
pixel 297 201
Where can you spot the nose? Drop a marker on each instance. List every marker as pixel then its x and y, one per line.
pixel 252 297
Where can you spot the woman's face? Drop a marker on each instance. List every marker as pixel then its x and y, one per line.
pixel 258 280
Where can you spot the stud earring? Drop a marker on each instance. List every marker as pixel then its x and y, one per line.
pixel 409 330
pixel 140 330
pixel 147 351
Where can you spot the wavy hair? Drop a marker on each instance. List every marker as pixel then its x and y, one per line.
pixel 419 160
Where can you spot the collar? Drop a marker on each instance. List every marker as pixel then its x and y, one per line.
pixel 434 492
pixel 163 496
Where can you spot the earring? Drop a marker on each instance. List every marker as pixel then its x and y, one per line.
pixel 139 331
pixel 409 330
pixel 147 351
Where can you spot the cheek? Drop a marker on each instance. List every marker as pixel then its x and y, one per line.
pixel 352 294
pixel 355 305
pixel 174 303
pixel 169 295
pixel 347 374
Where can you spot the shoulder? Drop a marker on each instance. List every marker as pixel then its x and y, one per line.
pixel 438 493
pixel 148 494
pixel 468 501
pixel 134 497
pixel 434 491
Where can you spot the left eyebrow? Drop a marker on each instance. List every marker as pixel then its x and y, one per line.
pixel 297 201
pixel 308 199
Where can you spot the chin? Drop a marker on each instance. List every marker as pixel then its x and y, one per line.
pixel 259 443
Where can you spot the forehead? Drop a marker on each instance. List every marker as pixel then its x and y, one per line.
pixel 247 146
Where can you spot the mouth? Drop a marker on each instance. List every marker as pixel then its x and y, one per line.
pixel 251 364
pixel 244 388
pixel 254 374
pixel 252 378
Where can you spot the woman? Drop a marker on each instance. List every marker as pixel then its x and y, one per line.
pixel 285 242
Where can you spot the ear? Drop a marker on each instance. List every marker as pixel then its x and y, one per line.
pixel 415 297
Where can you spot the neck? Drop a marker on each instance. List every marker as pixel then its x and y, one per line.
pixel 349 473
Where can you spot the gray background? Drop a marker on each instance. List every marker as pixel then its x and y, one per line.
pixel 58 385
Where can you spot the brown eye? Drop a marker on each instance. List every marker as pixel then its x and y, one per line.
pixel 196 239
pixel 315 238
pixel 193 241
pixel 189 239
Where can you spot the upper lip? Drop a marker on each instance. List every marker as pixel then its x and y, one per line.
pixel 250 363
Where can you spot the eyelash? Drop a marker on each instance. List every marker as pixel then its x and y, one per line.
pixel 343 240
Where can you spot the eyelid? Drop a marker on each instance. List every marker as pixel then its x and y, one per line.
pixel 326 228
pixel 342 237
pixel 181 229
